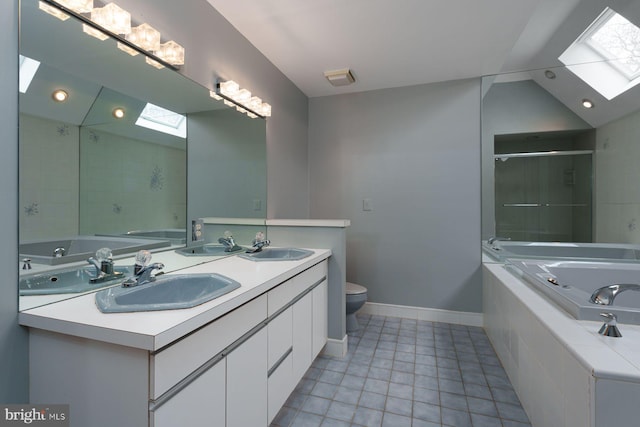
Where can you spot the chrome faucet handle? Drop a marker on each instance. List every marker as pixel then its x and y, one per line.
pixel 26 264
pixel 59 252
pixel 610 327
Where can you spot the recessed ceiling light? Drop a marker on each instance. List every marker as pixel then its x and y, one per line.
pixel 118 113
pixel 59 95
pixel 550 74
pixel 342 77
pixel 587 103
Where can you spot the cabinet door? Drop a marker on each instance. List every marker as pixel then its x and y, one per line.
pixel 320 317
pixel 247 383
pixel 201 403
pixel 302 336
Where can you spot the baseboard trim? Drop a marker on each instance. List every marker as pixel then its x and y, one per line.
pixel 420 313
pixel 336 348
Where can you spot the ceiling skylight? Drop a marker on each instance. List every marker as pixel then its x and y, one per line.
pixel 607 54
pixel 28 68
pixel 163 120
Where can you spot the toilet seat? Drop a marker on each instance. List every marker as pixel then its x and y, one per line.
pixel 354 289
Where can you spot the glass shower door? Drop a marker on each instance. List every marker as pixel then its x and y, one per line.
pixel 544 197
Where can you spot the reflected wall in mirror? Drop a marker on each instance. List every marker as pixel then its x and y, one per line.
pixel 86 174
pixel 552 169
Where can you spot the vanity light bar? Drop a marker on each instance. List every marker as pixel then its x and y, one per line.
pixel 235 96
pixel 113 21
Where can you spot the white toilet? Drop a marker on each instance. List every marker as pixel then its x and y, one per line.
pixel 356 297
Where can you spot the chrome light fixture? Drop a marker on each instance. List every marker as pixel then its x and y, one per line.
pixel 171 52
pixel 145 36
pixel 234 96
pixel 112 20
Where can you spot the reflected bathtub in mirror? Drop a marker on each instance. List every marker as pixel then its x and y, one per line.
pixel 503 250
pixel 80 248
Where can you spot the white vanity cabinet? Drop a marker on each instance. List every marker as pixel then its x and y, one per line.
pixel 201 403
pixel 234 371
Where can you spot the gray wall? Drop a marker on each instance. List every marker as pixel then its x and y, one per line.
pixel 13 339
pixel 415 153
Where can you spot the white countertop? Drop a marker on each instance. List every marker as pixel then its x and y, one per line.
pixel 605 357
pixel 153 330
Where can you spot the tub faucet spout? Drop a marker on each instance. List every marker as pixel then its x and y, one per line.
pixel 494 239
pixel 607 294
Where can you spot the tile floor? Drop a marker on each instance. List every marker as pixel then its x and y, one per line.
pixel 401 372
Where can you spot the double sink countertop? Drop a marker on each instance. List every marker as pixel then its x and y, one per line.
pixel 153 330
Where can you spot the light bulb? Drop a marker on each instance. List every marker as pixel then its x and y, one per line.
pixel 60 95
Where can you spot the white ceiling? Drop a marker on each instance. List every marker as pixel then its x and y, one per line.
pixel 394 43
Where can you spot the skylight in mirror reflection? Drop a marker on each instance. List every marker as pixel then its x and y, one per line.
pixel 163 120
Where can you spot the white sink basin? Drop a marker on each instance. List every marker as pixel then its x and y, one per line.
pixel 165 293
pixel 278 254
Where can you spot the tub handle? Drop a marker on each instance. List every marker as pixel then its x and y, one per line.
pixel 610 327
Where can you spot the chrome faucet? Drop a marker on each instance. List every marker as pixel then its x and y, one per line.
pixel 259 242
pixel 606 294
pixel 59 252
pixel 228 242
pixel 610 327
pixel 103 262
pixel 143 275
pixel 493 239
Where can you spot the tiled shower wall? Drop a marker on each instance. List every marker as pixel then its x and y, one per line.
pixel 49 178
pixel 617 215
pixel 81 181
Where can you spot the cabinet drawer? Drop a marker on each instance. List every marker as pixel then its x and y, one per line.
pixel 201 403
pixel 280 332
pixel 175 362
pixel 284 293
pixel 280 385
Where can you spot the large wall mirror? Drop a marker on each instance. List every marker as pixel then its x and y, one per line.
pixel 128 155
pixel 554 170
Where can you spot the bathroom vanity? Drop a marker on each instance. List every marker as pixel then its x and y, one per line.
pixel 232 361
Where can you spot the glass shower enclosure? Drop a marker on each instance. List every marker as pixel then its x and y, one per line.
pixel 544 196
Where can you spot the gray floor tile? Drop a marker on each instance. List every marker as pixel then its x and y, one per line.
pixel 426 411
pixel 372 400
pixel 403 372
pixel 368 417
pixel 482 406
pixel 398 406
pixel 341 411
pixel 353 381
pixel 330 422
pixel 454 401
pixel 512 412
pixel 347 395
pixel 376 386
pixel 478 420
pixel 455 418
pixel 422 423
pixel 393 420
pixel 426 395
pixel 305 419
pixel 316 405
pixel 325 390
pixel 403 391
